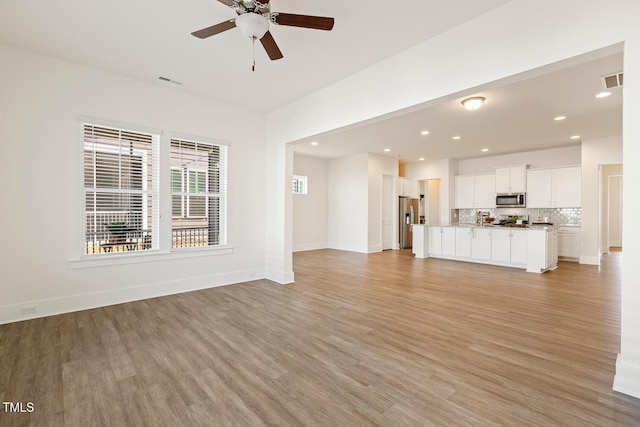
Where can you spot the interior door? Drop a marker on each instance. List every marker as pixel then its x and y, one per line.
pixel 387 212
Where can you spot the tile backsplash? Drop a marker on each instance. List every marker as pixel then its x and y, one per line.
pixel 558 216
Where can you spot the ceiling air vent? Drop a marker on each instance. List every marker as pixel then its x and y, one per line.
pixel 168 80
pixel 612 80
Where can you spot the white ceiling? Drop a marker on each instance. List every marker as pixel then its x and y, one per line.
pixel 516 117
pixel 145 39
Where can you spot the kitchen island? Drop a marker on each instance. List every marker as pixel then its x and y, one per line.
pixel 534 248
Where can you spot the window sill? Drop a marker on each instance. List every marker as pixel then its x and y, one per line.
pixel 90 261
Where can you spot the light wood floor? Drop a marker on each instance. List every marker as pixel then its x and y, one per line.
pixel 380 339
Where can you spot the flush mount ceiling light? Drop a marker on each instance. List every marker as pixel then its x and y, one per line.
pixel 456 138
pixel 484 150
pixel 421 159
pixel 603 94
pixel 252 25
pixel 473 103
pixel 387 150
pixel 559 118
pixel 575 137
pixel 424 132
pixel 314 143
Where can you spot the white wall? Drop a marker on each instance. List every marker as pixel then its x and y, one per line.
pixel 41 152
pixel 595 152
pixel 557 157
pixel 378 166
pixel 348 203
pixel 310 211
pixel 508 42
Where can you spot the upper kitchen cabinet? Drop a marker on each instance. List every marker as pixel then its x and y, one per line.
pixel 511 179
pixel 408 188
pixel 475 191
pixel 554 188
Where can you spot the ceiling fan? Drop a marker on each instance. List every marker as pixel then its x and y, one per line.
pixel 254 18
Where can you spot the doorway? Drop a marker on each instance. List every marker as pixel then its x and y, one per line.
pixel 388 210
pixel 615 211
pixel 611 211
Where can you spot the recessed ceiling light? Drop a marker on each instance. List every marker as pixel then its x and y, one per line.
pixel 456 137
pixel 387 149
pixel 421 159
pixel 314 143
pixel 557 119
pixel 484 150
pixel 603 94
pixel 424 132
pixel 575 137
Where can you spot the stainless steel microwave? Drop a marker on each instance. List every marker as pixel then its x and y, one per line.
pixel 516 200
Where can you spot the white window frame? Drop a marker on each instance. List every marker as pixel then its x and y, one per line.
pixel 151 223
pixel 221 196
pixel 300 183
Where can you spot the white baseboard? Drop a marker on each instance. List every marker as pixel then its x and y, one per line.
pixel 71 303
pixel 627 378
pixel 309 246
pixel 590 260
pixel 281 277
pixel 377 248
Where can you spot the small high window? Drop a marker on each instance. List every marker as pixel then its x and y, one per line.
pixel 299 184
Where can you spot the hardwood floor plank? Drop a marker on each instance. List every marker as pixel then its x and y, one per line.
pixel 360 339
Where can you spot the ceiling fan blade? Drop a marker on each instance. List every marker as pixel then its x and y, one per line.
pixel 270 46
pixel 215 29
pixel 229 3
pixel 304 21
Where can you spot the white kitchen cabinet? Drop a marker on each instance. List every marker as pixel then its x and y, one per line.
pixel 481 243
pixel 435 240
pixel 463 241
pixel 511 179
pixel 519 248
pixel 569 242
pixel 543 250
pixel 442 241
pixel 509 246
pixel 475 192
pixel 554 188
pixel 449 241
pixel 465 192
pixel 501 245
pixel 420 240
pixel 408 187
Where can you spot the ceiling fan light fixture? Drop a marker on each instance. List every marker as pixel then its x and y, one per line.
pixel 473 103
pixel 252 25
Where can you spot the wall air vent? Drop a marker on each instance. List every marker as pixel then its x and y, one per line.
pixel 612 80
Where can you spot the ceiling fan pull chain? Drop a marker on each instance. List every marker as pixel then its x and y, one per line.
pixel 253 67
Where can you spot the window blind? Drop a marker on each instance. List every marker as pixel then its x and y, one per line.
pixel 198 193
pixel 120 189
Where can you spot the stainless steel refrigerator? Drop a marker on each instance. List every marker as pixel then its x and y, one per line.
pixel 407 216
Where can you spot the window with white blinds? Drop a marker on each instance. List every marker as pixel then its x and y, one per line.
pixel 198 193
pixel 120 190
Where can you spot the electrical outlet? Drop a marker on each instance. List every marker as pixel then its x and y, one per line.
pixel 29 309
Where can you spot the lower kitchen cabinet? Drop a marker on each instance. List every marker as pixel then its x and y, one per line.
pixel 442 241
pixel 463 241
pixel 481 243
pixel 535 249
pixel 543 250
pixel 509 246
